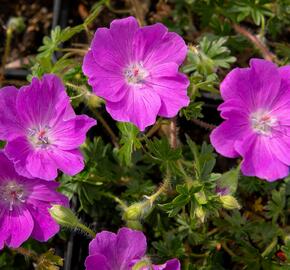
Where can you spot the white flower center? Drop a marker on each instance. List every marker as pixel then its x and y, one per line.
pixel 263 122
pixel 11 193
pixel 135 74
pixel 39 137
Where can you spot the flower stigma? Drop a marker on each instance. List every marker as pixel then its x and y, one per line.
pixel 12 193
pixel 263 123
pixel 135 74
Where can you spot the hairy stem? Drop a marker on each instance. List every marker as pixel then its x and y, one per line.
pixel 173 133
pixel 9 33
pixel 203 124
pixel 27 253
pixel 87 230
pixel 115 198
pixel 163 188
pixel 256 42
pixel 138 10
pixel 107 128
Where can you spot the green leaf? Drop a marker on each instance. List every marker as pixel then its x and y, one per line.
pixel 129 142
pixel 204 159
pixel 162 154
pixel 277 204
pixel 211 53
pixel 229 180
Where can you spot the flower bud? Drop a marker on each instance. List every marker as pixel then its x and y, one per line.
pixel 64 216
pixel 134 211
pixel 200 213
pixel 16 24
pixel 142 264
pixel 229 202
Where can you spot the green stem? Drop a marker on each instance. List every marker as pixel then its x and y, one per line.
pixel 27 253
pixel 137 7
pixel 107 128
pixel 87 230
pixel 9 33
pixel 227 249
pixel 187 178
pixel 164 187
pixel 152 130
pixel 116 199
pixel 269 248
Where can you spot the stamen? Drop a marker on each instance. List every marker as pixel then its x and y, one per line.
pixel 263 122
pixel 136 74
pixel 12 193
pixel 39 136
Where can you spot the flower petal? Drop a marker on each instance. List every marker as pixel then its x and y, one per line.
pixel 42 102
pixel 68 135
pixel 40 165
pixel 7 169
pixel 171 87
pixel 44 225
pixel 97 261
pixel 4 226
pixel 173 264
pixel 70 162
pixel 227 133
pixel 21 225
pixel 139 106
pixel 255 87
pixel 130 245
pixel 259 160
pixel 10 128
pixel 17 151
pixel 155 45
pixel 104 243
pixel 105 78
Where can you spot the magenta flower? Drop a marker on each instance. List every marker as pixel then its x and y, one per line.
pixel 41 128
pixel 121 251
pixel 135 69
pixel 256 110
pixel 24 205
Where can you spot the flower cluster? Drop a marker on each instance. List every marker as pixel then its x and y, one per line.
pixel 256 111
pixel 41 129
pixel 135 69
pixel 43 134
pixel 122 251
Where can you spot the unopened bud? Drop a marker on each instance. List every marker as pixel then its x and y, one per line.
pixel 200 214
pixel 64 216
pixel 134 211
pixel 16 24
pixel 229 202
pixel 137 211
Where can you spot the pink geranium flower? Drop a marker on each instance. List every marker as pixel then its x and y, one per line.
pixel 256 111
pixel 135 69
pixel 43 133
pixel 121 251
pixel 24 205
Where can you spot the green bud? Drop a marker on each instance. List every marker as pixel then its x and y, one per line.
pixel 16 24
pixel 200 213
pixel 134 211
pixel 229 202
pixel 134 224
pixel 93 101
pixel 200 197
pixel 64 216
pixel 137 210
pixel 142 264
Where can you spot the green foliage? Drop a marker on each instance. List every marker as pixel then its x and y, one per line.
pixel 161 153
pixel 210 54
pixel 129 142
pixel 204 211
